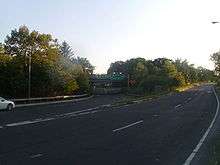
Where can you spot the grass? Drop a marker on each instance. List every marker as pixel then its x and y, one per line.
pixel 215 153
pixel 186 87
pixel 181 89
pixel 131 99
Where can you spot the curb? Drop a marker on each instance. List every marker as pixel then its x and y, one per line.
pixel 198 146
pixel 53 102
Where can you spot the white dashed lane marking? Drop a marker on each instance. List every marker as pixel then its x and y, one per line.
pixel 59 116
pixel 36 156
pixel 127 126
pixel 28 122
pixel 177 106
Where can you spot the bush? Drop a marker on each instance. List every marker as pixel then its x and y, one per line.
pixel 153 82
pixel 136 91
pixel 83 82
pixel 71 87
pixel 218 82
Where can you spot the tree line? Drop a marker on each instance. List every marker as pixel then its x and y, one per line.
pixel 54 68
pixel 162 73
pixel 215 57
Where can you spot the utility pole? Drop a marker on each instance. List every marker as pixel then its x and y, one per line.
pixel 128 81
pixel 214 22
pixel 29 77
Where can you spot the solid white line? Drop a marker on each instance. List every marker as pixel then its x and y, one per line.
pixel 42 120
pixel 94 111
pixel 84 113
pixel 195 151
pixel 76 113
pixel 127 126
pixel 36 156
pixel 71 114
pixel 19 123
pixel 28 122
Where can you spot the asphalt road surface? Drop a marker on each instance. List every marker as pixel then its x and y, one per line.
pixel 158 132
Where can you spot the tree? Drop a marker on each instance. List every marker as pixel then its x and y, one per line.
pixel 137 68
pixel 117 67
pixel 41 48
pixel 66 50
pixel 54 72
pixel 83 81
pixel 166 67
pixel 84 62
pixel 71 87
pixel 161 73
pixel 215 57
pixel 179 80
pixel 2 50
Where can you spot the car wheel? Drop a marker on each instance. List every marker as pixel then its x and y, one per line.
pixel 9 107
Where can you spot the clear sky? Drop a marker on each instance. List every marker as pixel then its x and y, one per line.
pixel 108 30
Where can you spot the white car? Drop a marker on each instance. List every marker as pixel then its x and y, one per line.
pixel 5 104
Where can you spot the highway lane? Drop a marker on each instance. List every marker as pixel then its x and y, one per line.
pixel 163 131
pixel 44 111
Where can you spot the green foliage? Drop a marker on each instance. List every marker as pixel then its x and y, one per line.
pixel 66 50
pixel 218 83
pixel 71 86
pixel 52 70
pixel 117 67
pixel 153 82
pixel 215 57
pixel 84 63
pixel 159 74
pixel 83 81
pixel 179 80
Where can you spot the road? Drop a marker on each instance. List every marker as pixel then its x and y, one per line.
pixel 163 131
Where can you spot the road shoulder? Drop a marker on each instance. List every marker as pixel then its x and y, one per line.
pixel 209 153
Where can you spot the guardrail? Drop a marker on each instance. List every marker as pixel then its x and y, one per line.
pixel 45 99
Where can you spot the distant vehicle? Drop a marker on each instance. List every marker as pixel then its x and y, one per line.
pixel 6 104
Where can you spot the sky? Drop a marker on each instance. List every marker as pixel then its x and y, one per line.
pixel 105 31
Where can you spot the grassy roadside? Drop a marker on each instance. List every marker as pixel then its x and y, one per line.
pixel 184 88
pixel 215 152
pixel 132 99
pixel 215 144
